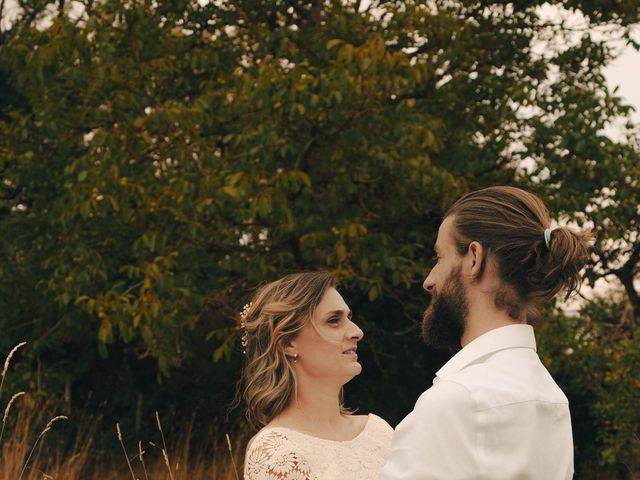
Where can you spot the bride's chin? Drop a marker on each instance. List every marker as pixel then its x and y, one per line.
pixel 355 371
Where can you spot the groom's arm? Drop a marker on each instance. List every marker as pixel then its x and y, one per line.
pixel 438 439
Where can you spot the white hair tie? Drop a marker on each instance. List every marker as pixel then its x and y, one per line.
pixel 547 236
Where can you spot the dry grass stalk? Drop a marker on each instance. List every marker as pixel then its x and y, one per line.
pixel 42 434
pixel 6 412
pixel 164 449
pixel 7 362
pixel 233 462
pixel 124 450
pixel 144 467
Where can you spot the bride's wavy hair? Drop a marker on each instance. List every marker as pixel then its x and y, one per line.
pixel 277 312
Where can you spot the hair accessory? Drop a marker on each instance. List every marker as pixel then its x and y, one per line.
pixel 547 236
pixel 244 340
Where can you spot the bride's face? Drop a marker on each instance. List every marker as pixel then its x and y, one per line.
pixel 326 346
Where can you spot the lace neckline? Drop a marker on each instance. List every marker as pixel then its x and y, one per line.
pixel 365 428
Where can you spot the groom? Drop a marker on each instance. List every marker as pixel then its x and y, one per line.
pixel 493 412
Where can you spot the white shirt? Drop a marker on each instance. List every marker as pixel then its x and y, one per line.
pixel 493 412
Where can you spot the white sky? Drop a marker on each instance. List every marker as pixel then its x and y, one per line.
pixel 624 73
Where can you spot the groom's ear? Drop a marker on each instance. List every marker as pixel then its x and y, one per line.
pixel 475 260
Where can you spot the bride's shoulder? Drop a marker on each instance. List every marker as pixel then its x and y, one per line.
pixel 359 422
pixel 379 423
pixel 267 437
pixel 271 455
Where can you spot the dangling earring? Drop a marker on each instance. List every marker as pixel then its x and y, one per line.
pixel 295 358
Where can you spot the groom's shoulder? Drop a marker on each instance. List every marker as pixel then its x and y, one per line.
pixel 445 402
pixel 446 393
pixel 499 382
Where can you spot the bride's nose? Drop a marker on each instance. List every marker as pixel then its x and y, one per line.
pixel 355 333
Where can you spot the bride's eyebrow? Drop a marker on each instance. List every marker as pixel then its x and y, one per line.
pixel 339 313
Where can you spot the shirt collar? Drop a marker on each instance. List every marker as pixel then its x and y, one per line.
pixel 511 336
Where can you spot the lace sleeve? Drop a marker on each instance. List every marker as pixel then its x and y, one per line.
pixel 272 457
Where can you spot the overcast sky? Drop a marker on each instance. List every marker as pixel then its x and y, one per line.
pixel 624 72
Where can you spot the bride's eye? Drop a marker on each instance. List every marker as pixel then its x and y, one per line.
pixel 334 321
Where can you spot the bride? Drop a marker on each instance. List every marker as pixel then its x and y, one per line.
pixel 300 344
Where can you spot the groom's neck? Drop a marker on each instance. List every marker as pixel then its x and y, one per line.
pixel 484 316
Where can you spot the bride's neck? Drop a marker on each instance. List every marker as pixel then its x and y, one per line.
pixel 317 405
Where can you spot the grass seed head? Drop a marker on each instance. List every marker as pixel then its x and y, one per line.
pixel 7 361
pixel 8 409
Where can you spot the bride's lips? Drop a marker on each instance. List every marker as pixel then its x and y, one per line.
pixel 351 351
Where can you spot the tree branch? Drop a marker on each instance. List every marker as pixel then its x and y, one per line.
pixel 626 275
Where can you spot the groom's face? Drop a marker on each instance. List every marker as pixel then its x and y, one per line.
pixel 445 319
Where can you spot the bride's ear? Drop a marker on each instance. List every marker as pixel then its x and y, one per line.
pixel 290 349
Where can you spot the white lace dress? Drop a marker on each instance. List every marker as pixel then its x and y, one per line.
pixel 279 453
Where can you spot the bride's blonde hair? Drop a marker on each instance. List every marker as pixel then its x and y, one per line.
pixel 277 312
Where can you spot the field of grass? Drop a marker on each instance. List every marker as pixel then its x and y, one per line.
pixel 31 450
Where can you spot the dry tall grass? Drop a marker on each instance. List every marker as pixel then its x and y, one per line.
pixel 27 452
pixel 185 462
pixel 51 460
pixel 18 446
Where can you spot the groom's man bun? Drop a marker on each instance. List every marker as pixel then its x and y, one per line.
pixel 510 224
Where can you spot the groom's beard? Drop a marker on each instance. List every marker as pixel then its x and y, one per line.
pixel 444 321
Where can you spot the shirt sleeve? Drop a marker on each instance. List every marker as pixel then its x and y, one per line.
pixel 273 457
pixel 438 439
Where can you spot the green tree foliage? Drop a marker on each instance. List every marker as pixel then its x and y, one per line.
pixel 593 357
pixel 159 159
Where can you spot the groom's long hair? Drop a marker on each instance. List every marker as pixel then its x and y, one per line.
pixel 534 261
pixel 276 314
